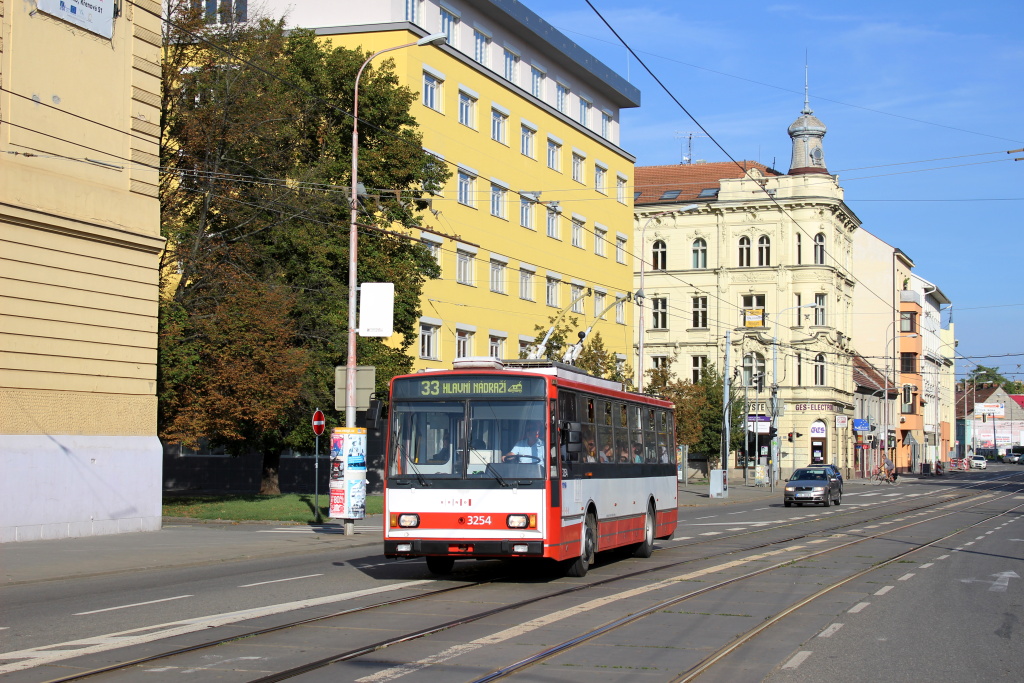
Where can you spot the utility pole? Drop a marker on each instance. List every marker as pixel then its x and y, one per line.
pixel 726 413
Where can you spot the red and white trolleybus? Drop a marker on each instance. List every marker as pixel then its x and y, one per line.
pixel 525 459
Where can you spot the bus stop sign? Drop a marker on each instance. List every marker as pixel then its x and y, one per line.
pixel 318 422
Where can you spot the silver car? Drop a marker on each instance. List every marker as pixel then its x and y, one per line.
pixel 813 485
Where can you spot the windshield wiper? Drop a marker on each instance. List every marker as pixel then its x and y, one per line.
pixel 501 479
pixel 412 466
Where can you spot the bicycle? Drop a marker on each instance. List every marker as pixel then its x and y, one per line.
pixel 879 476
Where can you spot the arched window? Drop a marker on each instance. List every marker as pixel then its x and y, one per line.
pixel 819 370
pixel 799 249
pixel 764 251
pixel 700 253
pixel 753 365
pixel 659 255
pixel 744 252
pixel 819 249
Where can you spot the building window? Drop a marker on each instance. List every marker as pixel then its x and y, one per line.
pixel 554 154
pixel 699 363
pixel 620 249
pixel 551 292
pixel 450 27
pixel 498 200
pixel 908 363
pixel 620 189
pixel 659 255
pixel 576 292
pixel 434 248
pixel 798 362
pixel 432 91
pixel 659 313
pixel 799 249
pixel 700 253
pixel 525 285
pixel 700 312
pixel 606 125
pixel 600 178
pixel 620 311
pixel 481 46
pixel 466 183
pixel 908 321
pixel 463 343
pixel 511 66
pixel 562 98
pixel 497 277
pixel 577 167
pixel 577 233
pixel 764 251
pixel 526 213
pixel 819 309
pixel 428 342
pixel 496 346
pixel 659 362
pixel 753 310
pixel 467 109
pixel 600 237
pixel 526 141
pixel 525 347
pixel 907 399
pixel 499 125
pixel 819 370
pixel 744 252
pixel 464 267
pixel 599 305
pixel 414 11
pixel 552 223
pixel 753 368
pixel 819 249
pixel 796 309
pixel 536 82
pixel 223 12
pixel 585 107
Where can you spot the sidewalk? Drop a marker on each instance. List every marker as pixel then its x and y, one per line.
pixel 188 542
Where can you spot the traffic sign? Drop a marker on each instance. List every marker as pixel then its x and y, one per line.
pixel 318 422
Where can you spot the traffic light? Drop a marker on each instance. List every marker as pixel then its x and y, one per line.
pixel 759 382
pixel 792 436
pixel 772 433
pixel 789 437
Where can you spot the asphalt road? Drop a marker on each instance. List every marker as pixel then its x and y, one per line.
pixel 951 611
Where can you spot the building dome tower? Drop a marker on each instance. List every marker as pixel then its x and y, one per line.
pixel 807 132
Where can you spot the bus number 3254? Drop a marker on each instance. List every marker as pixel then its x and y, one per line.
pixel 476 520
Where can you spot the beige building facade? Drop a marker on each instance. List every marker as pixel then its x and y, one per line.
pixel 763 260
pixel 79 249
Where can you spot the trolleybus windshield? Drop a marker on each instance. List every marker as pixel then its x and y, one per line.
pixel 474 438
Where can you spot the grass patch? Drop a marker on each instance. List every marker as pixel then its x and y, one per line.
pixel 289 507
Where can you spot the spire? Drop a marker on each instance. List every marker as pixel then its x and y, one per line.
pixel 806 133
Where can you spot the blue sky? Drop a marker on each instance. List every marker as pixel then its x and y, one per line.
pixel 922 102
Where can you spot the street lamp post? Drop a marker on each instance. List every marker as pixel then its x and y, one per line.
pixel 353 236
pixel 640 293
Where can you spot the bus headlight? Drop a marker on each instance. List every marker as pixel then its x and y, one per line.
pixel 521 521
pixel 407 521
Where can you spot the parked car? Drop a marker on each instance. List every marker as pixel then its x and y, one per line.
pixel 1012 458
pixel 978 462
pixel 815 484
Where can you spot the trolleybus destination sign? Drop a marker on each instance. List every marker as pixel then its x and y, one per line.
pixel 483 386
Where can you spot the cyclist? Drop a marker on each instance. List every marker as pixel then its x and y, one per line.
pixel 890 470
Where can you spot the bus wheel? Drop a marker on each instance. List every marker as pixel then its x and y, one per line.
pixel 440 565
pixel 646 547
pixel 581 564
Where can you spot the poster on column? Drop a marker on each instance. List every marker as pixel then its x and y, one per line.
pixel 348 473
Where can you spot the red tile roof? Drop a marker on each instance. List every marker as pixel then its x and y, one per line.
pixel 1018 399
pixel 975 393
pixel 866 376
pixel 653 181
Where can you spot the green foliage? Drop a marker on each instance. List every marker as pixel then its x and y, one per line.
pixel 257 153
pixel 983 373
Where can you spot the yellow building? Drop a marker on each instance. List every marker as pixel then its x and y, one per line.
pixel 79 248
pixel 536 214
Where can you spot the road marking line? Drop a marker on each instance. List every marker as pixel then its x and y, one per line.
pixel 941 557
pixel 926 565
pixel 987 533
pixel 827 633
pixel 797 660
pixel 507 634
pixel 873 526
pixel 739 528
pixel 136 604
pixel 682 538
pixel 969 543
pixel 47 654
pixel 820 540
pixel 858 607
pixel 883 590
pixel 906 576
pixel 711 533
pixel 737 513
pixel 293 578
pixel 708 517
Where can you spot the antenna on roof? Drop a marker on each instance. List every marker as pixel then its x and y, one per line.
pixel 807 99
pixel 688 158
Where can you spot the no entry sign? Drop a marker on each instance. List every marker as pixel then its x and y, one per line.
pixel 318 422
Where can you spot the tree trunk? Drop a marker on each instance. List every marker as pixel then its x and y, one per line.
pixel 269 485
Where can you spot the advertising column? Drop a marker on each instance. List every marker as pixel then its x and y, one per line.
pixel 348 474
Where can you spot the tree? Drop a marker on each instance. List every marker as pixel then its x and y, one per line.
pixel 257 152
pixel 984 374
